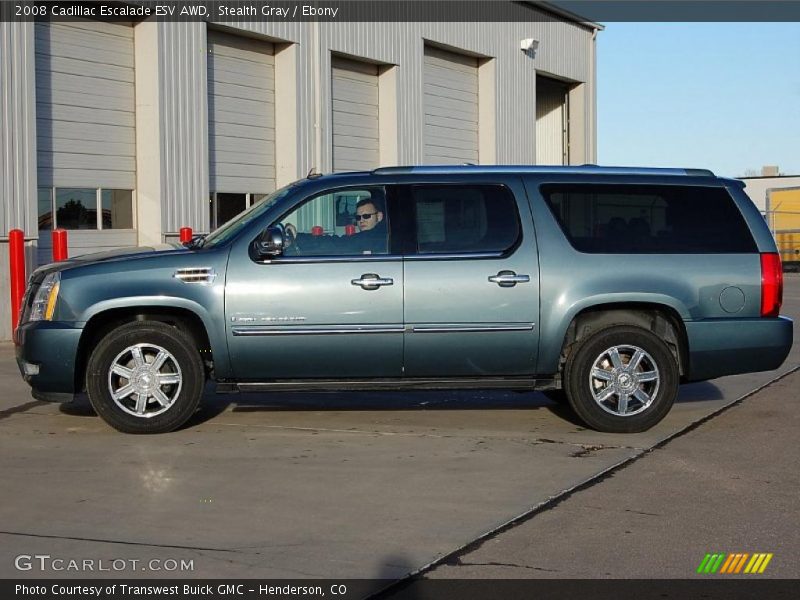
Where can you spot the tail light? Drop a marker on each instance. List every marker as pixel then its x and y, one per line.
pixel 771 284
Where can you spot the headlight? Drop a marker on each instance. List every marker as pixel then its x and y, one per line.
pixel 44 304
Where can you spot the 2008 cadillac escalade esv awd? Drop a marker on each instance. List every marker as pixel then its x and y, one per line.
pixel 609 286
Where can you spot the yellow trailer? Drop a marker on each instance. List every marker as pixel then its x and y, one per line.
pixel 783 216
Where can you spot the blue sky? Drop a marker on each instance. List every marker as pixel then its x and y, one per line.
pixel 723 96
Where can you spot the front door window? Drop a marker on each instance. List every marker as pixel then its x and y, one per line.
pixel 349 222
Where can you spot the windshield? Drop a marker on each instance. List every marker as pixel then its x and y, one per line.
pixel 228 230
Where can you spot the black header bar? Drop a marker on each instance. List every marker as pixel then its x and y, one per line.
pixel 587 11
pixel 733 588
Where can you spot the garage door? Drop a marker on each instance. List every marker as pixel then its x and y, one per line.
pixel 355 115
pixel 451 107
pixel 241 114
pixel 551 122
pixel 85 105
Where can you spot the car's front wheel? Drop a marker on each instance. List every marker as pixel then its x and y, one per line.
pixel 145 377
pixel 622 379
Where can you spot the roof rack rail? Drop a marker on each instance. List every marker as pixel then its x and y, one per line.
pixel 700 172
pixel 396 169
pixel 587 168
pixel 533 169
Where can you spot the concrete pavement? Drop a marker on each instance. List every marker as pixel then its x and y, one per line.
pixel 730 485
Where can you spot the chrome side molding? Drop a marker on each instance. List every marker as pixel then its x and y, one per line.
pixel 340 330
pixel 471 328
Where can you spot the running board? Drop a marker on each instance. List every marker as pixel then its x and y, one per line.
pixel 391 384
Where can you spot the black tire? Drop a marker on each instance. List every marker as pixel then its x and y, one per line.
pixel 641 415
pixel 184 360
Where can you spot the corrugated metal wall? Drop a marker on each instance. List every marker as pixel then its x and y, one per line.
pixel 184 125
pixel 17 148
pixel 17 129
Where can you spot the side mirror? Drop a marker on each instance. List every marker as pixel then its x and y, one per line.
pixel 271 242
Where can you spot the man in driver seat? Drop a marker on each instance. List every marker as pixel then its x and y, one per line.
pixel 372 232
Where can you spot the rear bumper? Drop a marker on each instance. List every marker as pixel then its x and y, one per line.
pixel 46 352
pixel 720 347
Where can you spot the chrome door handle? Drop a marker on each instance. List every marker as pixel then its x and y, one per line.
pixel 371 281
pixel 508 279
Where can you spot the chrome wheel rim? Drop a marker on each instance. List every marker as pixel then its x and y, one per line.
pixel 624 380
pixel 144 380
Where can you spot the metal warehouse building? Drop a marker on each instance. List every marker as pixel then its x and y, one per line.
pixel 124 132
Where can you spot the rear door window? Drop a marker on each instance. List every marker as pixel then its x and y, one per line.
pixel 464 219
pixel 657 219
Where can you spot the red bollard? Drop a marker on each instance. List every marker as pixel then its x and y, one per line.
pixel 316 230
pixel 186 234
pixel 59 237
pixel 16 254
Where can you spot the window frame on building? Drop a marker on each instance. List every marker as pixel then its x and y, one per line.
pixel 98 208
pixel 250 198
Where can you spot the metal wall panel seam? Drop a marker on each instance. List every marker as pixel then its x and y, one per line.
pixel 6 156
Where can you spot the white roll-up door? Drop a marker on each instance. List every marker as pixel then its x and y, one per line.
pixel 85 105
pixel 551 122
pixel 451 107
pixel 355 115
pixel 241 114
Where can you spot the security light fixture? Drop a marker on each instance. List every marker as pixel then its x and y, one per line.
pixel 529 45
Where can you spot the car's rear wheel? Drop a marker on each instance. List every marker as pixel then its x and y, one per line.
pixel 145 377
pixel 622 379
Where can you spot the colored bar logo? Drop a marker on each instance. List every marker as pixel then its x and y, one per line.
pixel 735 563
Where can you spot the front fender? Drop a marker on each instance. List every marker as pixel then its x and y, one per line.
pixel 152 283
pixel 214 326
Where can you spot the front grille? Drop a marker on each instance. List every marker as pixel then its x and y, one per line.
pixel 202 275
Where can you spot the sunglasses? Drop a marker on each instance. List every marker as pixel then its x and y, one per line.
pixel 365 216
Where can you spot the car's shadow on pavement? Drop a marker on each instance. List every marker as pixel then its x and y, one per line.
pixel 698 392
pixel 214 404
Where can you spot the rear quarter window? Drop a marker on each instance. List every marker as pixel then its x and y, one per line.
pixel 657 219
